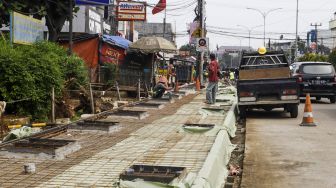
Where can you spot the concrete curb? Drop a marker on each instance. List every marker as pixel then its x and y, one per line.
pixel 230 120
pixel 214 172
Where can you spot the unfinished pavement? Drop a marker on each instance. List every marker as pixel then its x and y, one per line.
pixel 156 140
pixel 279 153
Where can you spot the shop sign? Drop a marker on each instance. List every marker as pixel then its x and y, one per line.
pixel 131 11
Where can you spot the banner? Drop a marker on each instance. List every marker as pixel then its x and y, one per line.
pixel 159 7
pixel 25 30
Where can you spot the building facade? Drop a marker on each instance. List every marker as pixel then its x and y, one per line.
pixel 332 27
pixel 93 19
pixel 155 29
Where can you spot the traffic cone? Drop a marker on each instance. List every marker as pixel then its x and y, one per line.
pixel 198 85
pixel 176 89
pixel 308 119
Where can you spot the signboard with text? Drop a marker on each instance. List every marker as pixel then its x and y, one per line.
pixel 95 24
pixel 25 29
pixel 131 11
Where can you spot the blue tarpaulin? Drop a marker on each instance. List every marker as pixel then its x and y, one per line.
pixel 117 40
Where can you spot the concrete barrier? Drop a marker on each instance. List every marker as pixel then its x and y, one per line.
pixel 214 171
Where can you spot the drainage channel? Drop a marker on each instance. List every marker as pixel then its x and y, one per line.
pixel 134 114
pixel 162 174
pixel 42 148
pixel 235 165
pixel 97 125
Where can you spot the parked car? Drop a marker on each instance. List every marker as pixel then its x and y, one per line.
pixel 316 78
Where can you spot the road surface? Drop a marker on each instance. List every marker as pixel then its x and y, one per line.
pixel 279 153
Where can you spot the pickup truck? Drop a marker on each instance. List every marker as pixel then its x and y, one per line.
pixel 265 82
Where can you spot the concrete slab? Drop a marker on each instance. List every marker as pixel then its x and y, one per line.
pixel 102 126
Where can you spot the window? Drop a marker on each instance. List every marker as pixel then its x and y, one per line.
pixel 318 69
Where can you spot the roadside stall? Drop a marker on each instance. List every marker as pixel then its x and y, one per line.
pixel 111 57
pixel 150 47
pixel 184 68
pixel 99 52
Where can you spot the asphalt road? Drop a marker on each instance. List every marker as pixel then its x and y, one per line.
pixel 279 153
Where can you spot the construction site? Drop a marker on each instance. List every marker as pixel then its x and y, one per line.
pixel 174 141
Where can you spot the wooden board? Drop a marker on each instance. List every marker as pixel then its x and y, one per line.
pixel 270 73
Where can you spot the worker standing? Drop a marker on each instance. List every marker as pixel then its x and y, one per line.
pixel 212 87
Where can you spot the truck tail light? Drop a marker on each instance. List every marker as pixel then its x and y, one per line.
pixel 289 92
pixel 246 94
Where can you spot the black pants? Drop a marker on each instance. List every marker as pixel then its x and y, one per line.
pixel 159 90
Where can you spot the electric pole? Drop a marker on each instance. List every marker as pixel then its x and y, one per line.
pixel 316 25
pixel 201 55
pixel 164 23
pixel 296 30
pixel 70 27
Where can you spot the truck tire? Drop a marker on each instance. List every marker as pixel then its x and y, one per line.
pixel 332 99
pixel 268 109
pixel 242 112
pixel 294 111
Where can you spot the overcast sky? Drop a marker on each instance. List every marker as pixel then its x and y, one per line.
pixel 223 16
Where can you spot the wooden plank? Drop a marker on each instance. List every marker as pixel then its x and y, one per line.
pixel 252 74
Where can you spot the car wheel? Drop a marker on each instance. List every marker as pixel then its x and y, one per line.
pixel 294 111
pixel 242 112
pixel 332 99
pixel 318 98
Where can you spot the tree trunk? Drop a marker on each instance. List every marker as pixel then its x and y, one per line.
pixel 55 20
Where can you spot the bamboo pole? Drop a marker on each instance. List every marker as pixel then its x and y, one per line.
pixel 53 105
pixel 92 101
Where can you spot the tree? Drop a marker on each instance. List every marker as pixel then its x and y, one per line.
pixel 313 57
pixel 188 47
pixel 31 71
pixel 56 12
pixel 332 57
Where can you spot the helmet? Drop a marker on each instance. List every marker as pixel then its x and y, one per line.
pixel 262 50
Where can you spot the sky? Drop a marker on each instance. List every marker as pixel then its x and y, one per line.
pixel 224 16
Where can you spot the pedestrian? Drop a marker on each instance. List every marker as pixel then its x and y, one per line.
pixel 212 87
pixel 171 74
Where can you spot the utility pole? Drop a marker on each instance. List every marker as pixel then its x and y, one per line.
pixel 249 33
pixel 164 23
pixel 316 25
pixel 296 30
pixel 264 15
pixel 70 27
pixel 201 55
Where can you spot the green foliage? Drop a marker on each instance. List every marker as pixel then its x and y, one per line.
pixel 313 57
pixel 31 71
pixel 332 57
pixel 74 71
pixel 188 47
pixel 110 73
